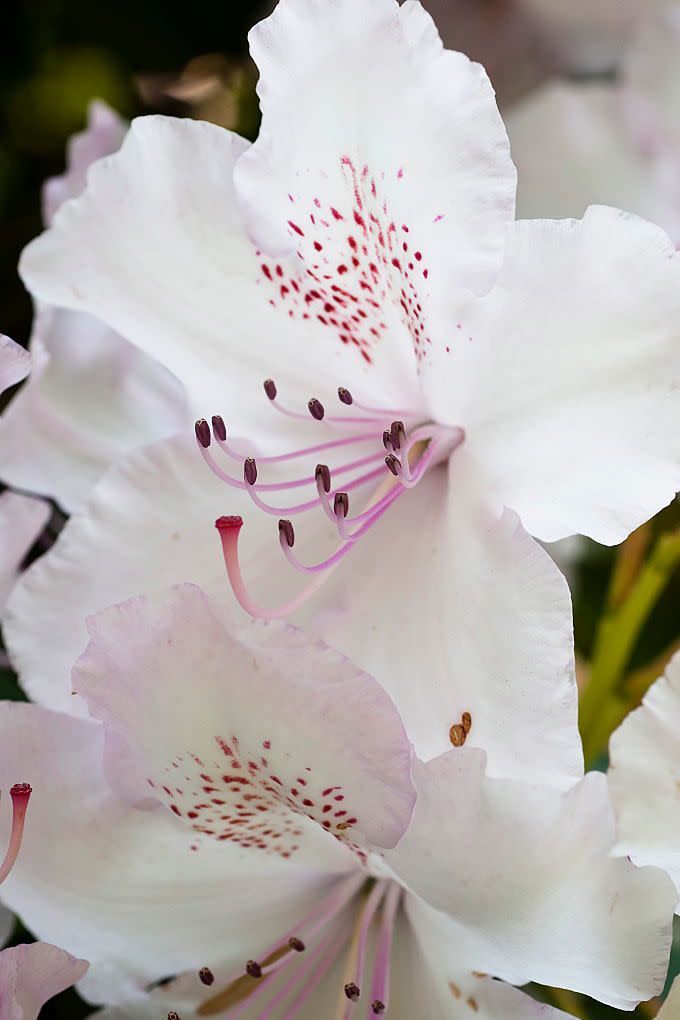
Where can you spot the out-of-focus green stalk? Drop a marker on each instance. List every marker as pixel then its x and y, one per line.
pixel 617 634
pixel 570 1002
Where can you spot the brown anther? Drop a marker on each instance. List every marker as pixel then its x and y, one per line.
pixel 466 720
pixel 378 1007
pixel 254 969
pixel 206 976
pixel 393 464
pixel 341 504
pixel 202 430
pixel 352 991
pixel 219 428
pixel 345 396
pixel 270 388
pixel 387 442
pixel 472 1003
pixel 397 433
pixel 316 409
pixel 250 470
pixel 173 1016
pixel 457 735
pixel 322 472
pixel 296 944
pixel 287 530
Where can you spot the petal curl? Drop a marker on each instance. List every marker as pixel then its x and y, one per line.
pixel 21 521
pixel 32 974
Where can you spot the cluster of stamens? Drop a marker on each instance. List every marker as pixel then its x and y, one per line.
pixel 20 794
pixel 409 455
pixel 341 922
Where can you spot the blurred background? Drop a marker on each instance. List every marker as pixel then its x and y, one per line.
pixel 589 94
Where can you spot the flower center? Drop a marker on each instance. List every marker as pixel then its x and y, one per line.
pixel 20 794
pixel 410 453
pixel 356 918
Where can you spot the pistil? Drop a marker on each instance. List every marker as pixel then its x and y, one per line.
pixel 20 794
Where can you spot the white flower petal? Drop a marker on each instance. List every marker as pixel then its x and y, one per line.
pixel 527 872
pixel 347 86
pixel 21 521
pixel 123 887
pixel 566 376
pixel 274 728
pixel 90 398
pixel 645 777
pixel 103 135
pixel 455 611
pixel 15 363
pixel 195 294
pixel 32 974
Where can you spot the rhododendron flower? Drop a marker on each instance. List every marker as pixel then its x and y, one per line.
pixel 293 852
pixel 613 142
pixel 644 777
pixel 91 395
pixel 359 265
pixel 32 974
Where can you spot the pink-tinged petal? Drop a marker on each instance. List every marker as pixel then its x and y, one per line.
pixel 15 363
pixel 264 727
pixel 150 521
pixel 103 135
pixel 566 376
pixel 455 610
pixel 137 893
pixel 21 521
pixel 196 296
pixel 527 872
pixel 32 974
pixel 90 398
pixel 645 777
pixel 364 110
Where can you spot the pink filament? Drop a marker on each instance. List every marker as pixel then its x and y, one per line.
pixel 362 437
pixel 279 486
pixel 329 958
pixel 380 986
pixel 20 795
pixel 299 508
pixel 333 419
pixel 368 913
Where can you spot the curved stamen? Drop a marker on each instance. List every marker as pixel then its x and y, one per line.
pixel 380 986
pixel 329 957
pixel 355 984
pixel 360 437
pixel 340 553
pixel 318 413
pixel 346 398
pixel 20 794
pixel 300 508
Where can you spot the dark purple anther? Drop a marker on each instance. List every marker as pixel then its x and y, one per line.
pixel 250 470
pixel 286 529
pixel 254 969
pixel 345 396
pixel 203 433
pixel 219 428
pixel 341 504
pixel 296 944
pixel 316 409
pixel 270 388
pixel 322 472
pixel 393 464
pixel 397 433
pixel 352 991
pixel 206 976
pixel 387 440
pixel 173 1016
pixel 378 1007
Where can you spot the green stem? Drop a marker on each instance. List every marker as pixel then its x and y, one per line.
pixel 617 634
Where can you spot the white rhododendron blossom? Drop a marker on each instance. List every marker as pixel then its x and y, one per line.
pixel 645 777
pixel 343 261
pixel 615 142
pixel 91 395
pixel 32 974
pixel 277 844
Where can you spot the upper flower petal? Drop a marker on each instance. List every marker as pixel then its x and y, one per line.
pixel 195 294
pixel 103 135
pixel 273 729
pixel 527 872
pixel 136 892
pixel 645 777
pixel 566 376
pixel 32 974
pixel 458 611
pixel 91 397
pixel 367 117
pixel 21 521
pixel 15 363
